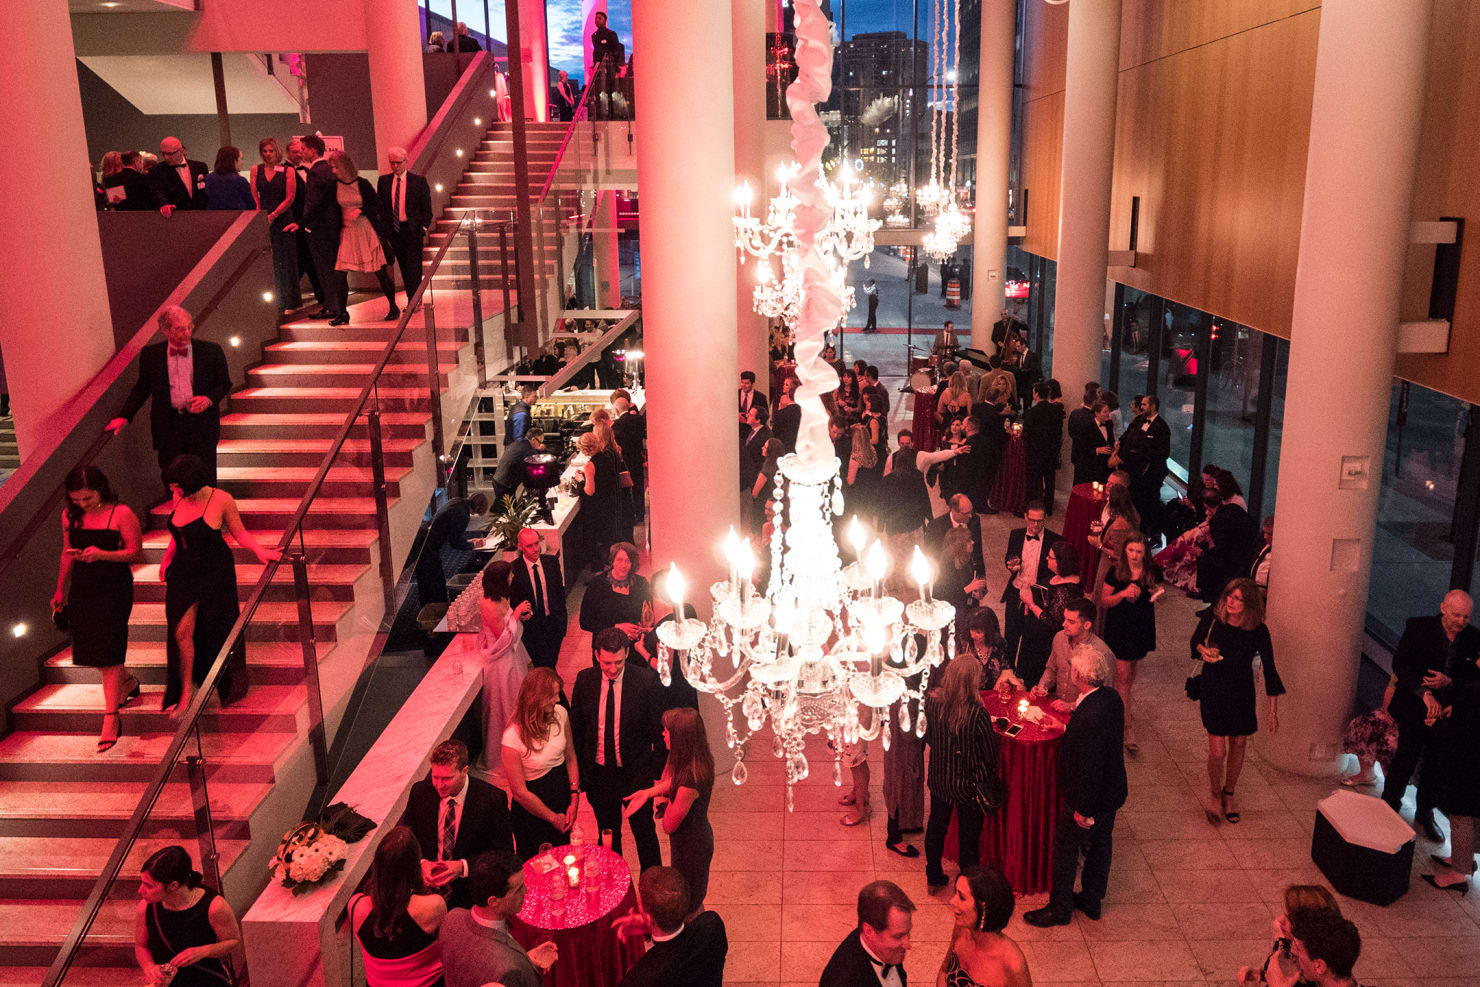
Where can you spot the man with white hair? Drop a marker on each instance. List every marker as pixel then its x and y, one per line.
pixel 409 200
pixel 187 379
pixel 1092 783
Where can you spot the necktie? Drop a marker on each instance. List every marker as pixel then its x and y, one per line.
pixel 396 202
pixel 609 746
pixel 537 577
pixel 449 829
pixel 181 351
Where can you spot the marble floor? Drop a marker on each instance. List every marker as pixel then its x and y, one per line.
pixel 1189 902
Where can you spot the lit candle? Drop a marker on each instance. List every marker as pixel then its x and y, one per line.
pixel 878 564
pixel 856 537
pixel 732 556
pixel 745 567
pixel 676 585
pixel 920 569
pixel 575 876
pixel 1022 707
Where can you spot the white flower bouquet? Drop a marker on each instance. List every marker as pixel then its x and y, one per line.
pixel 307 857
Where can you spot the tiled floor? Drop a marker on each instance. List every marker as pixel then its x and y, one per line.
pixel 1189 902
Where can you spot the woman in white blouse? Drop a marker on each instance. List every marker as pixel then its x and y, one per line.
pixel 536 744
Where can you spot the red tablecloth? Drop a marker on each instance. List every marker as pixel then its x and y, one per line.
pixel 1018 839
pixel 591 953
pixel 1084 508
pixel 1010 492
pixel 923 426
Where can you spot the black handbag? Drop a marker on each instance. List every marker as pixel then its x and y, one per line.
pixel 59 619
pixel 1193 685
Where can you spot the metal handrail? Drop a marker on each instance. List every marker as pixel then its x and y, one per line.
pixel 570 131
pixel 190 720
pixel 45 511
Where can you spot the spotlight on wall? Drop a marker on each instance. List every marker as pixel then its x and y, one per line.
pixel 439 186
pixel 493 93
pixel 267 296
pixel 458 152
pixel 235 340
pixel 18 630
pixel 477 121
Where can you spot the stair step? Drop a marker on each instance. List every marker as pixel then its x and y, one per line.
pixel 31 931
pixel 61 707
pixel 274 621
pixel 411 349
pixel 81 974
pixel 325 582
pixel 323 545
pixel 343 374
pixel 324 334
pixel 103 809
pixel 68 866
pixel 287 400
pixel 268 663
pixel 237 757
pixel 293 481
pixel 311 452
pixel 321 425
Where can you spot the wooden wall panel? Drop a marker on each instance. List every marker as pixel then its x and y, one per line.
pixel 1151 29
pixel 1043 142
pixel 1045 41
pixel 1213 141
pixel 1449 185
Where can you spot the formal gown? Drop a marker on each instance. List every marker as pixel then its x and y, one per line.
pixel 505 663
pixel 600 510
pixel 202 574
pixel 1130 625
pixel 691 848
pixel 169 932
pixel 100 600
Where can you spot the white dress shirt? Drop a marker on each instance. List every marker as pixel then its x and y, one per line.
pixel 1032 554
pixel 890 981
pixel 613 688
pixel 457 809
pixel 398 196
pixel 537 580
pixel 182 374
pixel 183 170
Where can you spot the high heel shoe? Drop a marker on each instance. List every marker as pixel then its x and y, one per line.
pixel 131 695
pixel 394 313
pixel 1463 887
pixel 105 744
pixel 1232 815
pixel 1213 808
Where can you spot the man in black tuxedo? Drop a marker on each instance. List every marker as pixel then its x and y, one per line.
pixel 186 380
pixel 537 579
pixel 322 221
pixel 1093 788
pixel 564 96
pixel 616 722
pixel 1043 443
pixel 1143 453
pixel 1234 536
pixel 873 954
pixel 979 463
pixel 787 423
pixel 179 182
pixel 752 454
pixel 960 514
pixel 1081 423
pixel 629 428
pixel 131 190
pixel 409 200
pixel 750 398
pixel 1433 654
pixel 1027 565
pixel 297 154
pixel 688 950
pixel 870 385
pixel 455 817
pixel 1091 442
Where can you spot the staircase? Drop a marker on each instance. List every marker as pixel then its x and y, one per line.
pixel 488 188
pixel 62 806
pixel 10 453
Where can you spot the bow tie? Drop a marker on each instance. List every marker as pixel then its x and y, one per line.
pixel 1031 537
pixel 179 351
pixel 883 968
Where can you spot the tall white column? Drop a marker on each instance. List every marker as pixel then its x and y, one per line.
pixel 608 253
pixel 1364 133
pixel 398 97
pixel 1090 78
pixel 534 52
pixel 58 330
pixel 686 170
pixel 993 162
pixel 748 23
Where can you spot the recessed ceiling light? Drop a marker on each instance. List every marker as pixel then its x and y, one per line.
pixel 110 3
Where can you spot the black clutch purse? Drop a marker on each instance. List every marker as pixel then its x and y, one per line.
pixel 59 618
pixel 1193 686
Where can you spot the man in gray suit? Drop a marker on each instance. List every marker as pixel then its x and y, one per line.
pixel 477 948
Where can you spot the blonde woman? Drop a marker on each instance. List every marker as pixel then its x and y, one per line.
pixel 366 225
pixel 963 757
pixel 536 746
pixel 274 189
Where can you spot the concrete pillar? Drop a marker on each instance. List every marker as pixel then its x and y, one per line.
pixel 58 330
pixel 748 22
pixel 1364 132
pixel 535 54
pixel 993 163
pixel 1090 78
pixel 397 88
pixel 686 170
pixel 608 253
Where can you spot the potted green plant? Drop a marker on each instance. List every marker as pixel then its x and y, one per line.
pixel 517 511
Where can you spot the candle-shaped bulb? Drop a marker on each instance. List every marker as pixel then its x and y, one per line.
pixel 785 615
pixel 856 536
pixel 745 560
pixel 877 561
pixel 920 568
pixel 743 194
pixel 732 547
pixel 676 585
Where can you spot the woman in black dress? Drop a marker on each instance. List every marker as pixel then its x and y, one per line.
pixel 1226 642
pixel 274 187
pixel 953 582
pixel 184 931
pixel 396 923
pixel 681 800
pixel 100 538
pixel 1045 609
pixel 618 597
pixel 1130 619
pixel 199 573
pixel 601 497
pixel 983 641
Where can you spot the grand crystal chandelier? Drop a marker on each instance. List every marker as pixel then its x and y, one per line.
pixel 822 648
pixel 939 198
